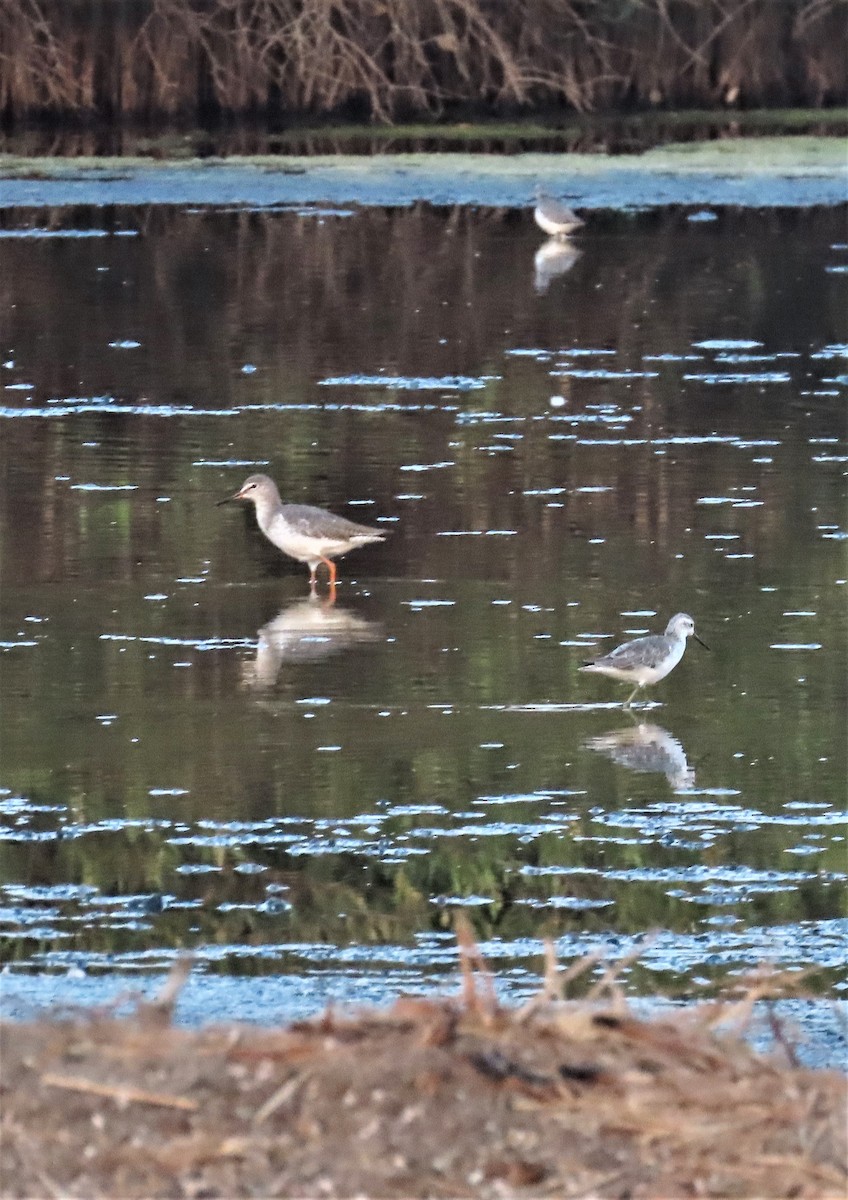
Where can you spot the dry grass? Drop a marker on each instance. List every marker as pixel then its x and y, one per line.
pixel 446 1098
pixel 399 58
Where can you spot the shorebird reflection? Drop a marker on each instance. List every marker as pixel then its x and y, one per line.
pixel 647 748
pixel 306 631
pixel 553 258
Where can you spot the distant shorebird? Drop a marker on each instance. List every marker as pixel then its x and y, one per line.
pixel 647 660
pixel 311 535
pixel 554 217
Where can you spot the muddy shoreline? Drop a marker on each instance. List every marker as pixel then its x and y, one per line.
pixel 443 1098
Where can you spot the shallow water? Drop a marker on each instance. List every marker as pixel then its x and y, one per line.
pixel 567 445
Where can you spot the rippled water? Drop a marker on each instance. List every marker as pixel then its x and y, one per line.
pixel 567 444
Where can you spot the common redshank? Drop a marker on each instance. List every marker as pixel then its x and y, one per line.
pixel 310 535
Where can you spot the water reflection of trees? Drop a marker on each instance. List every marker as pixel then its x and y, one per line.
pixel 349 898
pixel 204 288
pixel 417 291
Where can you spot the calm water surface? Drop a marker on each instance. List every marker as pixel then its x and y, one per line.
pixel 567 445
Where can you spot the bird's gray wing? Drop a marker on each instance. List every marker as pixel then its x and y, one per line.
pixel 555 210
pixel 643 652
pixel 311 521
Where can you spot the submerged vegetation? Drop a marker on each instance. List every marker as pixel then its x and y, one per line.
pixel 155 60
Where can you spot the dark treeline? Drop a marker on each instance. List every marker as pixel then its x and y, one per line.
pixel 196 60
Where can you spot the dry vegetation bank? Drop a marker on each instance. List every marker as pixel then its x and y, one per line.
pixel 450 1098
pixel 162 59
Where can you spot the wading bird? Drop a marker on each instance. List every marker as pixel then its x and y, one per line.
pixel 310 535
pixel 647 660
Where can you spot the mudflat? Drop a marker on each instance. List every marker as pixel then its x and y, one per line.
pixel 427 1098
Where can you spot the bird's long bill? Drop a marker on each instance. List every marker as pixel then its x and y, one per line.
pixel 228 499
pixel 697 639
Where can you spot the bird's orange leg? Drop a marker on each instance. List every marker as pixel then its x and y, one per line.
pixel 331 567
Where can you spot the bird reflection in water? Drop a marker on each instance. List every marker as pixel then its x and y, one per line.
pixel 306 631
pixel 647 748
pixel 553 258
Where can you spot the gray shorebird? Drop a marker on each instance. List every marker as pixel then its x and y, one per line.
pixel 647 660
pixel 554 217
pixel 310 535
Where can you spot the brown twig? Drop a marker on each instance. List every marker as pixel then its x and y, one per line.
pixel 473 965
pixel 124 1095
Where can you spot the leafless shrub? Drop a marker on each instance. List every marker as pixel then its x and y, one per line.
pixel 397 58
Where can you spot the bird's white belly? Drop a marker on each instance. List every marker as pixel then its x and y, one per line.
pixel 646 675
pixel 303 547
pixel 640 675
pixel 549 226
pixel 556 228
pixel 668 663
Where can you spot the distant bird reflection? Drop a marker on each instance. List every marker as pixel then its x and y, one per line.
pixel 554 258
pixel 306 631
pixel 647 748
